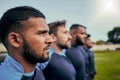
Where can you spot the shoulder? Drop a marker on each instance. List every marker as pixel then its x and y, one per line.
pixel 56 57
pixel 5 75
pixel 72 49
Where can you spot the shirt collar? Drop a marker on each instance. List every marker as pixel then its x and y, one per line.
pixel 15 67
pixel 62 53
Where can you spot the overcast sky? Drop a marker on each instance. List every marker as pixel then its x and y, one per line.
pixel 99 16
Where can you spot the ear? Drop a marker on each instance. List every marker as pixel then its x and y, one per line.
pixel 73 34
pixel 14 39
pixel 53 37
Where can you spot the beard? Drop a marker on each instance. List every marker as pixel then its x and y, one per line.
pixel 63 46
pixel 30 55
pixel 79 41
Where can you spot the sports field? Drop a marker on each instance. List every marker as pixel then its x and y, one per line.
pixel 107 65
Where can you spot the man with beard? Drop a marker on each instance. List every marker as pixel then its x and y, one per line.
pixel 91 67
pixel 24 32
pixel 59 67
pixel 75 53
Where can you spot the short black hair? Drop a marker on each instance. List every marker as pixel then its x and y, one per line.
pixel 75 26
pixel 53 26
pixel 10 21
pixel 88 35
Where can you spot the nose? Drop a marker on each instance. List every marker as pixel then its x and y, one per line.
pixel 69 36
pixel 49 40
pixel 85 35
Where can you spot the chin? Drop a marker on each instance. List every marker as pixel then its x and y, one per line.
pixel 69 46
pixel 44 59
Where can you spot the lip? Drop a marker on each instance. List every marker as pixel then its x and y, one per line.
pixel 47 48
pixel 69 42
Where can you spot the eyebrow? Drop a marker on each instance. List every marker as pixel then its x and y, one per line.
pixel 43 31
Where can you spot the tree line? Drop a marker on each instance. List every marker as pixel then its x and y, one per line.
pixel 114 35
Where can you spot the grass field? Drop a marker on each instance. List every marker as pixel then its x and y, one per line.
pixel 107 65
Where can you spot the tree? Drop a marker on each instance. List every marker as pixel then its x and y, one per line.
pixel 114 35
pixel 100 42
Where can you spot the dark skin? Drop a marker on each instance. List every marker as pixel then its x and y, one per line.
pixel 78 35
pixel 35 38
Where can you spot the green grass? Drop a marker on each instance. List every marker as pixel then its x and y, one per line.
pixel 107 65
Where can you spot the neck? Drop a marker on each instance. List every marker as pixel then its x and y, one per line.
pixel 73 42
pixel 88 47
pixel 28 67
pixel 56 48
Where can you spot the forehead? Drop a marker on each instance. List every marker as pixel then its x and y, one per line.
pixel 88 39
pixel 81 29
pixel 61 28
pixel 35 24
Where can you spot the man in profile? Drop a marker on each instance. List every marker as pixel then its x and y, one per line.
pixel 91 68
pixel 59 66
pixel 75 54
pixel 24 32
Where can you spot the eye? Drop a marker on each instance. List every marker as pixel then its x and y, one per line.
pixel 42 32
pixel 66 32
pixel 83 33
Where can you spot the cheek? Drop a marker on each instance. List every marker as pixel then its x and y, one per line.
pixel 37 44
pixel 63 39
pixel 80 37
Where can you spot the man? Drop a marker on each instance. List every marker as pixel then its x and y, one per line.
pixel 75 53
pixel 59 67
pixel 87 46
pixel 24 32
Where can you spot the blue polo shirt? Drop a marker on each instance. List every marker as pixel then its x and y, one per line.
pixel 10 69
pixel 77 58
pixel 42 66
pixel 59 67
pixel 91 66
